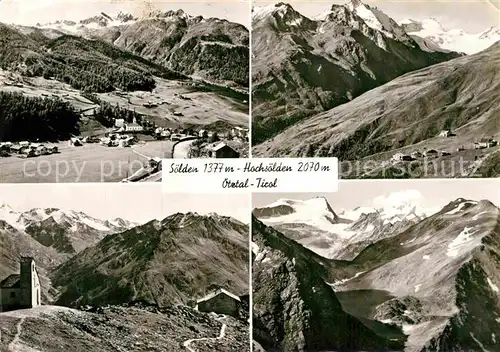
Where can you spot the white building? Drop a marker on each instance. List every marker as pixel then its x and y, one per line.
pixel 21 290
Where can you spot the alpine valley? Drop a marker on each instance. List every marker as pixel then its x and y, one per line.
pixel 355 84
pixel 394 278
pixel 116 285
pixel 139 83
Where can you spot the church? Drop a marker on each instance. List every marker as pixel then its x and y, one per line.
pixel 19 291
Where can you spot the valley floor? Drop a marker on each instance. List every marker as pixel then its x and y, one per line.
pixel 174 104
pixel 88 163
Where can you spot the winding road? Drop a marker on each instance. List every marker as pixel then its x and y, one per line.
pixel 13 345
pixel 181 149
pixel 221 336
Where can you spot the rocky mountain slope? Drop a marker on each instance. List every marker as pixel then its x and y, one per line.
pixel 407 115
pixel 137 327
pixel 451 39
pixel 437 281
pixel 294 308
pixel 209 48
pixel 172 261
pixel 315 225
pixel 302 66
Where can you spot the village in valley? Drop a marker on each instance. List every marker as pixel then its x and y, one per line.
pixel 484 143
pixel 79 106
pixel 173 121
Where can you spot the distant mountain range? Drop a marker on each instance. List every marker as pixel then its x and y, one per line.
pixel 452 39
pixel 212 49
pixel 173 261
pixel 432 285
pixel 314 224
pixel 87 261
pixel 356 85
pixel 118 276
pixel 303 66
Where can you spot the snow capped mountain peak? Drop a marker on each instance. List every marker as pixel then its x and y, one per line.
pixel 102 20
pixel 315 212
pixel 71 219
pixel 283 13
pixel 452 39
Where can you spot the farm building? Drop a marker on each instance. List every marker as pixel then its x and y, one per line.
pixel 222 150
pixel 239 132
pixel 76 142
pixel 431 152
pixel 220 302
pixel 130 128
pixel 42 150
pixel 175 137
pixel 416 154
pixel 446 133
pixel 21 290
pixel 29 152
pixel 401 157
pixel 480 145
pixel 119 123
pixel 17 149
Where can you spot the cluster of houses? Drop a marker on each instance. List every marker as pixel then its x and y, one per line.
pixel 26 149
pixel 177 134
pixel 214 150
pixel 131 128
pixel 118 140
pixel 111 140
pixel 484 143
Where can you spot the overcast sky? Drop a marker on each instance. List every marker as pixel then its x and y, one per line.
pixel 31 12
pixel 471 15
pixel 134 202
pixel 427 194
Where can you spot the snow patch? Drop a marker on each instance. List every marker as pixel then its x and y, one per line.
pixel 475 217
pixel 417 287
pixel 426 257
pixel 255 248
pixel 459 207
pixel 407 328
pixel 462 241
pixel 492 285
pixel 343 281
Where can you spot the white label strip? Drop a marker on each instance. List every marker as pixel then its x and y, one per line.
pixel 255 175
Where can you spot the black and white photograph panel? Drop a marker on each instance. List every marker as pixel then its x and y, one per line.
pixel 379 266
pixel 108 267
pixel 101 91
pixel 394 89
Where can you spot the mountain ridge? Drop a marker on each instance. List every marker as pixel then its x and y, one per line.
pixel 429 281
pixel 311 50
pixel 165 262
